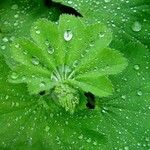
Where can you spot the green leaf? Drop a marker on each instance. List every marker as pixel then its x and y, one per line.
pixel 16 18
pixel 99 62
pixel 100 86
pixel 129 20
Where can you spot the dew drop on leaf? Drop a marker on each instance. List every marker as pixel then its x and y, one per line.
pixel 47 128
pixel 68 35
pixel 123 97
pixel 139 93
pixel 5 39
pixel 42 84
pixel 16 16
pixel 107 1
pixel 47 43
pixel 136 26
pixel 50 50
pixel 14 75
pixel 75 63
pixel 126 148
pixel 37 32
pixel 3 47
pixel 80 137
pixel 136 67
pixel 14 7
pixel 101 34
pixel 35 61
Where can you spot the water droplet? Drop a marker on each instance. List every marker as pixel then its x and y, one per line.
pixel 14 7
pixel 3 47
pixel 94 143
pixel 17 45
pixel 75 63
pixel 136 67
pixel 123 97
pixel 136 26
pixel 88 140
pixel 14 75
pixel 5 39
pixel 101 34
pixel 35 61
pixel 107 1
pixel 47 128
pixel 37 32
pixel 51 115
pixel 80 137
pixel 47 43
pixel 139 93
pixel 16 16
pixel 42 84
pixel 126 148
pixel 68 35
pixel 69 2
pixel 50 50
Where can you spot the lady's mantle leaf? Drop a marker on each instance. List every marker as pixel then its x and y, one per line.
pixel 71 51
pixel 99 86
pixel 119 122
pixel 129 19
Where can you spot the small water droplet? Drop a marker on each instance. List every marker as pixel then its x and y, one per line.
pixel 16 16
pixel 37 31
pixel 47 43
pixel 17 45
pixel 101 34
pixel 139 93
pixel 50 50
pixel 80 137
pixel 123 97
pixel 75 63
pixel 126 148
pixel 14 7
pixel 69 2
pixel 14 75
pixel 42 84
pixel 107 1
pixel 5 39
pixel 136 26
pixel 68 35
pixel 94 143
pixel 136 67
pixel 35 61
pixel 3 47
pixel 47 128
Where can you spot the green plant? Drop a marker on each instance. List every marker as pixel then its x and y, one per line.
pixel 49 82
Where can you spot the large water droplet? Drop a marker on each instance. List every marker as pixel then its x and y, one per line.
pixel 35 61
pixel 68 35
pixel 136 26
